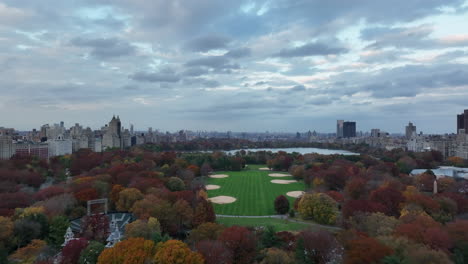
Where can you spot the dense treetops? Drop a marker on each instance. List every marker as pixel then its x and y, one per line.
pixel 380 214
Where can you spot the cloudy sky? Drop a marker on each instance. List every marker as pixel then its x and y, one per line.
pixel 273 65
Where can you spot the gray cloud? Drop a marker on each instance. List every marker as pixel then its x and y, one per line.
pixel 207 43
pixel 203 82
pixel 164 76
pixel 238 53
pixel 104 48
pixel 311 49
pixel 217 63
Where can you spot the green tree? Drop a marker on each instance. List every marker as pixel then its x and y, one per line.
pixel 91 253
pixel 175 184
pixel 58 227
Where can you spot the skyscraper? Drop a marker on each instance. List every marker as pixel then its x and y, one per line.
pixel 349 129
pixel 410 130
pixel 339 128
pixel 462 121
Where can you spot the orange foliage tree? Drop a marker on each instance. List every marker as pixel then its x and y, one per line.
pixel 176 252
pixel 130 251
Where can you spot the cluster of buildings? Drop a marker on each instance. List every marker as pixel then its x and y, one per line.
pixel 56 140
pixel 450 145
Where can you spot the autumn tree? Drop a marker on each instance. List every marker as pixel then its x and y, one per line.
pixel 317 247
pixel 6 229
pixel 389 197
pixel 214 252
pixel 183 213
pixel 91 253
pixel 320 207
pixel 277 256
pixel 204 212
pixel 72 250
pixel 241 242
pixel 127 198
pixel 95 227
pixel 129 251
pixel 281 204
pixel 143 228
pixel 174 252
pixel 366 250
pixel 353 207
pixel 205 231
pixel 175 184
pixel 374 224
pixel 29 253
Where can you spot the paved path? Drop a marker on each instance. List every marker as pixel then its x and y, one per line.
pixel 283 217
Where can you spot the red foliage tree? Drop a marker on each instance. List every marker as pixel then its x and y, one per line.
pixel 10 201
pixel 95 227
pixel 366 250
pixel 355 188
pixel 287 240
pixel 437 238
pixel 214 252
pixel 241 242
pixel 204 212
pixel 390 198
pixel 352 207
pixel 86 194
pixel 414 227
pixel 49 192
pixel 338 197
pixel 72 250
pixel 281 204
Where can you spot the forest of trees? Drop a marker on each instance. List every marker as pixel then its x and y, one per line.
pixel 382 214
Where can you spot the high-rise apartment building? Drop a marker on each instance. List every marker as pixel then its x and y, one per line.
pixel 410 130
pixel 339 128
pixel 349 129
pixel 462 122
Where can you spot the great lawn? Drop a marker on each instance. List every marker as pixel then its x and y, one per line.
pixel 253 190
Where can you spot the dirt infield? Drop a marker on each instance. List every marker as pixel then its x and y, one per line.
pixel 279 175
pixel 222 199
pixel 218 176
pixel 295 194
pixel 212 187
pixel 283 181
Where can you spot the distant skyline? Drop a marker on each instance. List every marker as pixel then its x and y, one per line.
pixel 281 65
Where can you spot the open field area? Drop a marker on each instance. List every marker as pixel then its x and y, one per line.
pixel 253 189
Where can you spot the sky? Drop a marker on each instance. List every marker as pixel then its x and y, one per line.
pixel 234 65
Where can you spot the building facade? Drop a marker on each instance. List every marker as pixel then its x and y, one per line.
pixel 339 128
pixel 349 129
pixel 410 130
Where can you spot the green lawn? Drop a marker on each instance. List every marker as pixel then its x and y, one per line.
pixel 278 224
pixel 253 190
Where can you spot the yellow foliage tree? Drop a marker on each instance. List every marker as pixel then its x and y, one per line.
pixel 320 207
pixel 127 198
pixel 29 253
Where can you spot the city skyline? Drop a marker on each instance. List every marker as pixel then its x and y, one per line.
pixel 238 65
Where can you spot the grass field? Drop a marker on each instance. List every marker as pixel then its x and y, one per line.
pixel 253 190
pixel 278 224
